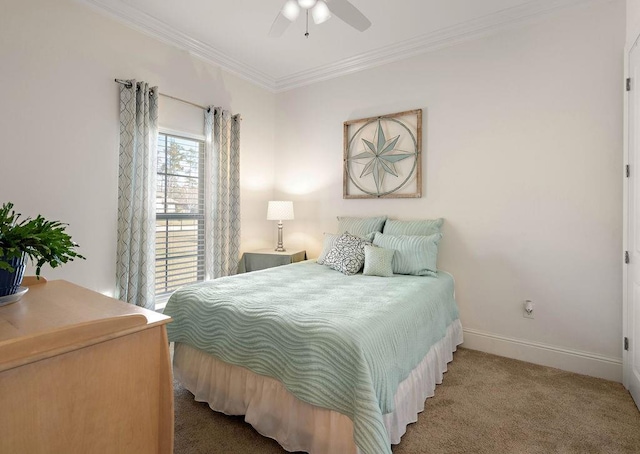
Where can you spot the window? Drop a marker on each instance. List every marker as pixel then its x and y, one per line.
pixel 179 214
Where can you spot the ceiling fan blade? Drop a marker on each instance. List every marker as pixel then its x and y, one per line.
pixel 279 25
pixel 349 13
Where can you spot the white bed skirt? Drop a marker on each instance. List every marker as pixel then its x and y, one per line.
pixel 297 425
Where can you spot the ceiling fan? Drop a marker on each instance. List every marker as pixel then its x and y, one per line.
pixel 321 11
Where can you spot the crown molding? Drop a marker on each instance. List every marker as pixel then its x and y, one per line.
pixel 429 42
pixel 161 30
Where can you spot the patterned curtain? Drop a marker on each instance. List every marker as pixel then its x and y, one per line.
pixel 135 266
pixel 222 192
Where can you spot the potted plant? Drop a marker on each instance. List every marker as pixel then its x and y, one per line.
pixel 42 241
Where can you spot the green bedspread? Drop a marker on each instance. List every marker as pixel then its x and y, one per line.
pixel 335 341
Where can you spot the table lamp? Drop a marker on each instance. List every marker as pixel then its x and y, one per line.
pixel 280 210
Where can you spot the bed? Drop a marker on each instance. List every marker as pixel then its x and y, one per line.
pixel 318 360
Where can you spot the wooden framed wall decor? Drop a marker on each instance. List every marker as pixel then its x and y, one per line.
pixel 383 156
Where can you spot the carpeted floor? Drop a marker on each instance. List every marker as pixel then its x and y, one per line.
pixel 486 404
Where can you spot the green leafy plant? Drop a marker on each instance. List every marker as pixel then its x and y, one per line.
pixel 41 240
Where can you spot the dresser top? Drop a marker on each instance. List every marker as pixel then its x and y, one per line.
pixel 59 316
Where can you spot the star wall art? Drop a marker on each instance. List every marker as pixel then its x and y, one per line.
pixel 383 156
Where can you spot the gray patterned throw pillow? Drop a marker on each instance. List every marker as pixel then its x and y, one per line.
pixel 330 240
pixel 347 254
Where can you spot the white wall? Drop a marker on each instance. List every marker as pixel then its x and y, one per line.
pixel 633 20
pixel 522 157
pixel 59 122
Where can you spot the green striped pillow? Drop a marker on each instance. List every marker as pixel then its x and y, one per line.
pixel 360 226
pixel 421 227
pixel 415 255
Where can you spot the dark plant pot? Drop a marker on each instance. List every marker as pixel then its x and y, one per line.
pixel 10 282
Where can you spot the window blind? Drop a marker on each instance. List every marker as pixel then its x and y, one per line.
pixel 179 213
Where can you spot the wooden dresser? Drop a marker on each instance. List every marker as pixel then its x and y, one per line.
pixel 83 373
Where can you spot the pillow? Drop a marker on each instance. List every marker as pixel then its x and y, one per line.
pixel 347 254
pixel 330 240
pixel 422 227
pixel 416 255
pixel 360 226
pixel 377 261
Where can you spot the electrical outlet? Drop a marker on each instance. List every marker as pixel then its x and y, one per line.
pixel 527 309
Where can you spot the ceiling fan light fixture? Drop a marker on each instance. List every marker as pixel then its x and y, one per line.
pixel 320 12
pixel 291 10
pixel 307 4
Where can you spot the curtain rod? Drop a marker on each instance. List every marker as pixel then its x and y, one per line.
pixel 127 84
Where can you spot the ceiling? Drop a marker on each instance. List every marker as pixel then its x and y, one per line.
pixel 233 33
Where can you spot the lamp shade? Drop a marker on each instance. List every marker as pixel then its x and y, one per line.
pixel 280 210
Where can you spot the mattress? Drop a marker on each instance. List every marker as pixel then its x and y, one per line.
pixel 343 343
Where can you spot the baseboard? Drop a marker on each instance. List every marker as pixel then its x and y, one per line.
pixel 547 355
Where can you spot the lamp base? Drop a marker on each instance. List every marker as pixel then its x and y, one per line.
pixel 280 248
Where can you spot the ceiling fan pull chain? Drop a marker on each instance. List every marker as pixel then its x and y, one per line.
pixel 307 32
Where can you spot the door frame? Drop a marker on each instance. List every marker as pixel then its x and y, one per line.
pixel 626 307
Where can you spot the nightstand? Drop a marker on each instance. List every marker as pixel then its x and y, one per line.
pixel 268 258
